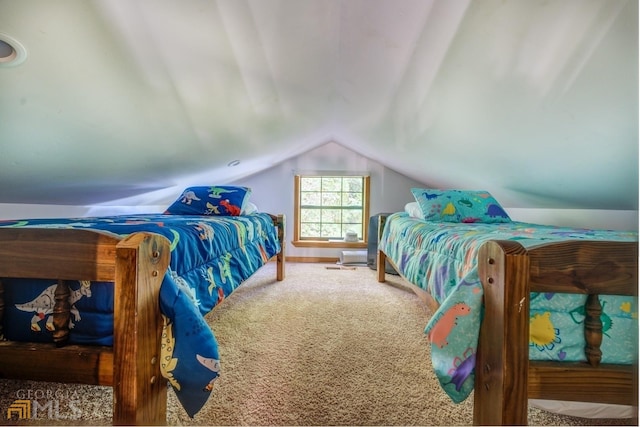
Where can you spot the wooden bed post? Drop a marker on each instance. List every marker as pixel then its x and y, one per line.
pixel 139 390
pixel 280 260
pixel 381 260
pixel 279 223
pixel 502 361
pixel 1 310
pixel 61 313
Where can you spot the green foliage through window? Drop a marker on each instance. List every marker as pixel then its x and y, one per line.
pixel 330 206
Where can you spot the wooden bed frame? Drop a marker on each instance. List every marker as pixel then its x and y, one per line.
pixel 505 378
pixel 136 264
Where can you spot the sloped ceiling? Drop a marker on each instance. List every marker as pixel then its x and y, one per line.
pixel 536 101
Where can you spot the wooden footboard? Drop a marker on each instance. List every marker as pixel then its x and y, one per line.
pixel 505 378
pixel 136 265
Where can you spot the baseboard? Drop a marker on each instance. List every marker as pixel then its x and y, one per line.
pixel 311 259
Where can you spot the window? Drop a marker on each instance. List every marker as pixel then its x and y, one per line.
pixel 328 206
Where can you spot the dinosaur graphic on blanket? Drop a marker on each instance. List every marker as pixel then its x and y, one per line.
pixel 446 322
pixel 43 304
pixel 211 364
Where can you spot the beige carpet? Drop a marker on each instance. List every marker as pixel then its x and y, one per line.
pixel 323 347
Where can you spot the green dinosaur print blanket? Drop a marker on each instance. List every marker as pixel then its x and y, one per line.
pixel 440 257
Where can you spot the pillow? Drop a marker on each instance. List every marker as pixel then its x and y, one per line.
pixel 413 209
pixel 459 206
pixel 225 200
pixel 249 208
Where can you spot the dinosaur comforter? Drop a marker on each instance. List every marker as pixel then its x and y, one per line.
pixel 440 257
pixel 210 257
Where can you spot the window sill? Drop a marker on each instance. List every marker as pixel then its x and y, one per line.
pixel 328 244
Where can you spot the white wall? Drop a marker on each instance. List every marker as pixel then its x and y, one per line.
pixel 273 189
pixel 17 211
pixel 586 218
pixel 273 193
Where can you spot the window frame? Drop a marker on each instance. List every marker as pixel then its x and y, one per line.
pixel 326 243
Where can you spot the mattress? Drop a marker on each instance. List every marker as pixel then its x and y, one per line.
pixel 210 257
pixel 440 258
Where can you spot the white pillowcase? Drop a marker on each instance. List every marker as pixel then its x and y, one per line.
pixel 248 208
pixel 414 210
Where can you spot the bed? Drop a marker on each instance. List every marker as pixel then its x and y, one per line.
pixel 120 300
pixel 521 311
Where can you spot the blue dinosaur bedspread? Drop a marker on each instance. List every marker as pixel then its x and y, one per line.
pixel 210 257
pixel 441 258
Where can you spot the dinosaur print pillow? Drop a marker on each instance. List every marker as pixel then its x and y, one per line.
pixel 225 200
pixel 459 206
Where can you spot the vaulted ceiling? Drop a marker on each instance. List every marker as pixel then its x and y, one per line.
pixel 534 100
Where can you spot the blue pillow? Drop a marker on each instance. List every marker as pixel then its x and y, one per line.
pixel 459 206
pixel 225 200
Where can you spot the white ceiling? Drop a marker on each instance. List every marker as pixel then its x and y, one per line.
pixel 533 100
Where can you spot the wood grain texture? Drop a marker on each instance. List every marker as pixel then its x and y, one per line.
pixel 280 256
pixel 1 310
pixel 46 362
pixel 381 260
pixel 586 267
pixel 69 254
pixel 593 329
pixel 581 382
pixel 502 360
pixel 381 257
pixel 140 393
pixel 61 313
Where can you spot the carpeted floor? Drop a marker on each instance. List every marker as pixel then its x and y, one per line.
pixel 323 347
